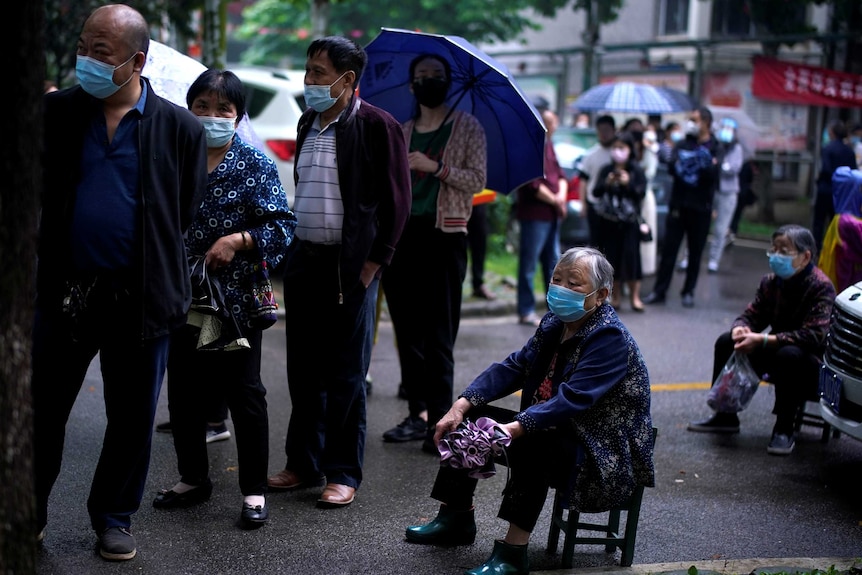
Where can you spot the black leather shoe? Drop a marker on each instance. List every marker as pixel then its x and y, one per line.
pixel 253 517
pixel 717 423
pixel 448 528
pixel 170 499
pixel 653 298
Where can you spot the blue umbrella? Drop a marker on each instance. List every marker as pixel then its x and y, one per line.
pixel 634 98
pixel 481 86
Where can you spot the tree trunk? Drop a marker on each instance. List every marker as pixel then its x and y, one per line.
pixel 214 34
pixel 20 171
pixel 319 18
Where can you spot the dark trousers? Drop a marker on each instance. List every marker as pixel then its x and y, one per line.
pixel 328 351
pixel 537 462
pixel 231 376
pixel 423 291
pixel 694 225
pixel 594 221
pixel 132 374
pixel 793 371
pixel 477 237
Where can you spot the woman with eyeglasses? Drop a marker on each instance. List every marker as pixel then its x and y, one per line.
pixel 447 157
pixel 783 333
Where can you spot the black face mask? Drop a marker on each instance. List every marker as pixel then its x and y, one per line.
pixel 430 92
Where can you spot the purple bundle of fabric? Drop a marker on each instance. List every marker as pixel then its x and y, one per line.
pixel 473 446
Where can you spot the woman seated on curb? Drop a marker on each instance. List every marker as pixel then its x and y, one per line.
pixel 584 425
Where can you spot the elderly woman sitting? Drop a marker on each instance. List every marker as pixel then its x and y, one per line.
pixel 584 425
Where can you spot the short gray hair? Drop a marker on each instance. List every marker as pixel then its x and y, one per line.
pixel 601 270
pixel 801 238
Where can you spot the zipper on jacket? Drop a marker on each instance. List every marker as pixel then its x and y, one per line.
pixel 338 271
pixel 143 225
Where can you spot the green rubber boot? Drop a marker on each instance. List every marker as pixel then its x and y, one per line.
pixel 506 559
pixel 448 528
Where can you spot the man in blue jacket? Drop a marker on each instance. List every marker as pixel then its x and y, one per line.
pixel 352 202
pixel 125 172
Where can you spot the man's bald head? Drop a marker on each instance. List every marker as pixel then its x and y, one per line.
pixel 129 23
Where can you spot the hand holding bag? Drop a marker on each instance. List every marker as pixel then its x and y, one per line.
pixel 735 385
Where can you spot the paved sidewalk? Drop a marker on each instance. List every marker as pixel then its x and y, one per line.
pixel 729 567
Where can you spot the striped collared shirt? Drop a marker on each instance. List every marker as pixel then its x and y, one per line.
pixel 318 206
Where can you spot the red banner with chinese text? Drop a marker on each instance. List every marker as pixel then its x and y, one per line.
pixel 784 81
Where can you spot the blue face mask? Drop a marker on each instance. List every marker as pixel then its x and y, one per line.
pixel 725 135
pixel 318 97
pixel 97 77
pixel 855 140
pixel 781 264
pixel 219 131
pixel 676 136
pixel 566 304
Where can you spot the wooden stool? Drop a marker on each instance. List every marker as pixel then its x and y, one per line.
pixel 569 523
pixel 814 419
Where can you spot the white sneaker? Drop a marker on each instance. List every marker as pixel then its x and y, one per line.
pixel 712 267
pixel 682 265
pixel 217 433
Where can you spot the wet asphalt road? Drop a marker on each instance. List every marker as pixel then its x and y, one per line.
pixel 716 497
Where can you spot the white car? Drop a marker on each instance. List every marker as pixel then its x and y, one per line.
pixel 841 373
pixel 275 100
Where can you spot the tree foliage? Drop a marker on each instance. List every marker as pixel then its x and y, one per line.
pixel 280 30
pixel 788 17
pixel 65 18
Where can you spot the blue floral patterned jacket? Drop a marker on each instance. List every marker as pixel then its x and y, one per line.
pixel 600 391
pixel 243 193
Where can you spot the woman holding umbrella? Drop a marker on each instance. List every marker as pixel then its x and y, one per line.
pixel 447 157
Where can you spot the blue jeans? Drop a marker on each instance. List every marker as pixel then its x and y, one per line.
pixel 328 352
pixel 132 374
pixel 539 242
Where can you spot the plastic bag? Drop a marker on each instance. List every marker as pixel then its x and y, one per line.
pixel 735 385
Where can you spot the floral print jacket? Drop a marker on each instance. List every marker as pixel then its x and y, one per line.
pixel 599 389
pixel 243 194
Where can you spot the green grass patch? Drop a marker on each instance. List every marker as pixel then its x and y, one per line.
pixel 756 230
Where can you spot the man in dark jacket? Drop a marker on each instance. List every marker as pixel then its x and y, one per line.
pixel 352 202
pixel 833 155
pixel 694 168
pixel 125 172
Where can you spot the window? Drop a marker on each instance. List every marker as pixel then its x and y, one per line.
pixel 730 18
pixel 673 17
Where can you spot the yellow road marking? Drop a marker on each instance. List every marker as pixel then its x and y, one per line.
pixel 680 386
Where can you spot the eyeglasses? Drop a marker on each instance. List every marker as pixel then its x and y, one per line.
pixel 771 253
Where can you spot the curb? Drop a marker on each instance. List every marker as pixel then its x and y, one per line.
pixel 727 567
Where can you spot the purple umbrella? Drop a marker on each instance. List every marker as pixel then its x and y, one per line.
pixel 473 446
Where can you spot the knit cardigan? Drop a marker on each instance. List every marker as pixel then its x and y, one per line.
pixel 465 157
